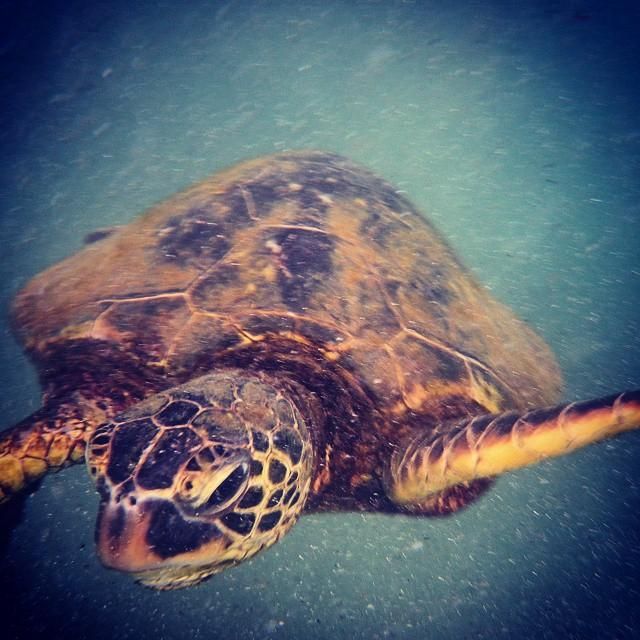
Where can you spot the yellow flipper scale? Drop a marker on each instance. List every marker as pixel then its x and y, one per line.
pixel 52 438
pixel 488 445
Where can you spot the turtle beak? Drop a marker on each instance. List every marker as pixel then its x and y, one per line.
pixel 121 534
pixel 154 543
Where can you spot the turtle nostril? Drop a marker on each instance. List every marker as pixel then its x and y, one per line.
pixel 102 489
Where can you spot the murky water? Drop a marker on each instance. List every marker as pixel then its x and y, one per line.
pixel 515 128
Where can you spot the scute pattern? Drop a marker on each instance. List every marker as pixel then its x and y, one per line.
pixel 170 452
pixel 197 237
pixel 238 429
pixel 178 412
pixel 300 247
pixel 302 265
pixel 126 448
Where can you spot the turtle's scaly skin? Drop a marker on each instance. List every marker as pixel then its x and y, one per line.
pixel 485 446
pixel 297 282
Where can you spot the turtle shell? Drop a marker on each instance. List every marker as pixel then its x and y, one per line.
pixel 301 262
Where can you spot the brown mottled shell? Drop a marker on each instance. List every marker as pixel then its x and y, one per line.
pixel 295 258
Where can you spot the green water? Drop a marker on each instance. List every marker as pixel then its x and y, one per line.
pixel 515 127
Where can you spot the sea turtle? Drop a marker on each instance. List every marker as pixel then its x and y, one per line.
pixel 289 335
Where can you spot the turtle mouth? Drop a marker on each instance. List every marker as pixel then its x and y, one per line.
pixel 170 579
pixel 154 542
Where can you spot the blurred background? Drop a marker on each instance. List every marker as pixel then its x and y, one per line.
pixel 515 127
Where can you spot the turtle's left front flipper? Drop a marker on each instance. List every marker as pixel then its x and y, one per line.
pixel 51 438
pixel 488 445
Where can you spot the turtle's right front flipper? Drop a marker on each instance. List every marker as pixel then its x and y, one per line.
pixel 462 455
pixel 51 438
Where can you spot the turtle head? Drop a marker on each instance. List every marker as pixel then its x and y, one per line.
pixel 199 478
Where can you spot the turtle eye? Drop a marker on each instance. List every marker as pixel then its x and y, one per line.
pixel 228 492
pixel 206 493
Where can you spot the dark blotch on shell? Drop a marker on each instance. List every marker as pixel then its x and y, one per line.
pixel 258 324
pixel 315 175
pixel 195 238
pixel 307 261
pixel 430 282
pixel 318 333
